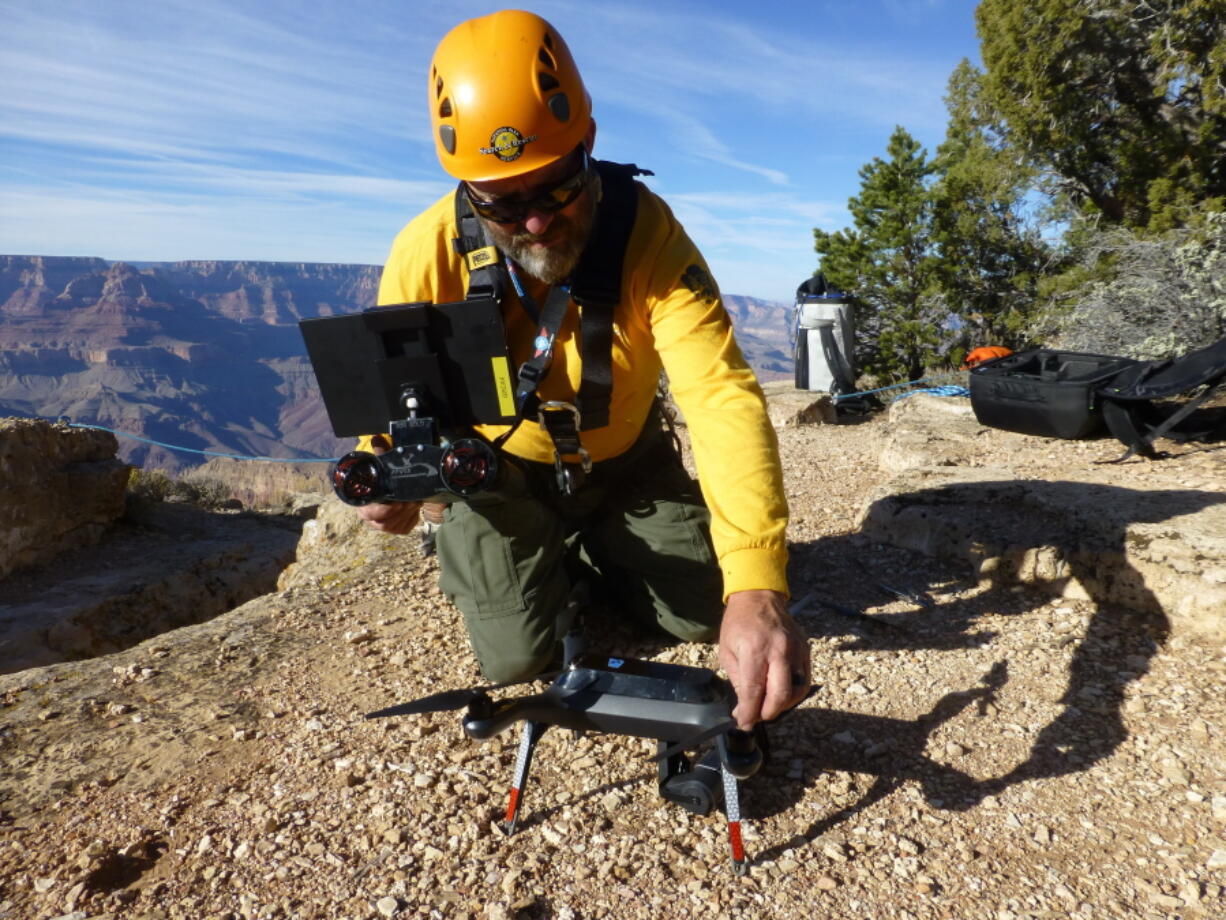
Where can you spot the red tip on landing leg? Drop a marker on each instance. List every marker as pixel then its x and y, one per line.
pixel 512 805
pixel 734 838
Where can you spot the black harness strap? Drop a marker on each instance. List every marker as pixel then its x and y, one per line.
pixel 486 274
pixel 595 287
pixel 533 371
pixel 840 370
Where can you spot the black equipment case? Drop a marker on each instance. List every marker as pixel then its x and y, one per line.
pixel 1043 392
pixel 1137 404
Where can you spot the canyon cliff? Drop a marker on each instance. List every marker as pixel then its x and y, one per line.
pixel 207 355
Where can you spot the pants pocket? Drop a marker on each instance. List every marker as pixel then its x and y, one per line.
pixel 477 568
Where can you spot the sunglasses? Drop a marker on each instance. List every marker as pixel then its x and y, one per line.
pixel 515 210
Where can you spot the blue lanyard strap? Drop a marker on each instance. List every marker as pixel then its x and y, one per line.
pixel 533 371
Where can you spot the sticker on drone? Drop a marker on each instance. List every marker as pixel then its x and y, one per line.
pixel 508 144
pixel 616 662
pixel 699 280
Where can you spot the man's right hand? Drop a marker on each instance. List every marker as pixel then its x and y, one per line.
pixel 393 517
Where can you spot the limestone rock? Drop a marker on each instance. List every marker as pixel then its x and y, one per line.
pixel 925 430
pixel 790 407
pixel 60 489
pixel 1085 539
pixel 336 544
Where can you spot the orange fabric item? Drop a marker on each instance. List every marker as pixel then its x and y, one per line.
pixel 505 97
pixel 985 353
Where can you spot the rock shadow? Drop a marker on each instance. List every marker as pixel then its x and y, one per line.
pixel 894 755
pixel 163 566
pixel 1114 651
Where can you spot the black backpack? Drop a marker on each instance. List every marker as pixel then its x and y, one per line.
pixel 1134 415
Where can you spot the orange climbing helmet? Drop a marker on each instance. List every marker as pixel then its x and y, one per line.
pixel 505 97
pixel 985 353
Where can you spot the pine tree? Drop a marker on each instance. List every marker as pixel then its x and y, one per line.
pixel 986 230
pixel 888 263
pixel 1123 101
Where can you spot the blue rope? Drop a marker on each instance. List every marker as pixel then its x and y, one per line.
pixel 192 450
pixel 896 386
pixel 948 390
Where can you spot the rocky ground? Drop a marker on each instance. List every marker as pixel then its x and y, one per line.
pixel 972 751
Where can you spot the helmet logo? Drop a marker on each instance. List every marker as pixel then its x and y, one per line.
pixel 507 144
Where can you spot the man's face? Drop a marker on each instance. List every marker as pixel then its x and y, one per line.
pixel 546 244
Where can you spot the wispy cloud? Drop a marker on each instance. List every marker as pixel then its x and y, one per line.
pixel 768 206
pixel 242 85
pixel 211 178
pixel 135 226
pixel 693 138
pixel 759 69
pixel 151 129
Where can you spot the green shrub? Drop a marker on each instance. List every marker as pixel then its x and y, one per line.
pixel 193 488
pixel 150 485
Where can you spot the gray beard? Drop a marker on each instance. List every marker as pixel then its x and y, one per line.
pixel 557 262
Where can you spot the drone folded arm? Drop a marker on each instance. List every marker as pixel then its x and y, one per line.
pixel 542 707
pixel 587 710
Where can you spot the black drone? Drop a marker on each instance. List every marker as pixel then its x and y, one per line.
pixel 681 707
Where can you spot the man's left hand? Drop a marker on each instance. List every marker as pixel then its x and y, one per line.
pixel 765 654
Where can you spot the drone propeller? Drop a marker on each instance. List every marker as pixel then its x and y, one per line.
pixel 450 700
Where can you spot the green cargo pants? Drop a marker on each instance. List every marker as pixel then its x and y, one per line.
pixel 507 556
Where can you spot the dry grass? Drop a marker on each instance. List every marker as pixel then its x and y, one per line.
pixel 222 483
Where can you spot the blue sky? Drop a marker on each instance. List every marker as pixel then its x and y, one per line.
pixel 157 130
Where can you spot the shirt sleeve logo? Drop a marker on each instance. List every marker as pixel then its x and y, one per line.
pixel 699 280
pixel 508 144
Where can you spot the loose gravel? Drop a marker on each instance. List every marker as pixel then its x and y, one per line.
pixel 971 752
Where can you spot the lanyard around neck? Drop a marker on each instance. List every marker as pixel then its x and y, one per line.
pixel 532 372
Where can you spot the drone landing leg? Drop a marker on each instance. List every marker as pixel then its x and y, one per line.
pixel 523 761
pixel 732 806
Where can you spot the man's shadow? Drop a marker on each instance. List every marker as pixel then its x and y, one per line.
pixel 890 749
pixel 1114 651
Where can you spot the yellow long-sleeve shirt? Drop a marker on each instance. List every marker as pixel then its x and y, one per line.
pixel 670 316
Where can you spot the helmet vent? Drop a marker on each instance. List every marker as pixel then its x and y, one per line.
pixel 446 136
pixel 547 59
pixel 438 86
pixel 560 106
pixel 444 109
pixel 547 81
pixel 548 41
